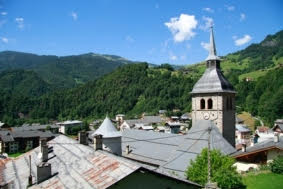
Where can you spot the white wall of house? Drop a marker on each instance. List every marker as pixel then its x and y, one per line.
pixel 124 126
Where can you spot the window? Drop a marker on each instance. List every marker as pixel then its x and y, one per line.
pixel 210 103
pixel 14 146
pixel 202 104
pixel 29 145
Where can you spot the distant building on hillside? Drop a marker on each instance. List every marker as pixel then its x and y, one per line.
pixel 67 125
pixel 243 135
pixel 278 126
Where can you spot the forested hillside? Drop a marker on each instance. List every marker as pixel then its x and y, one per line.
pixel 136 88
pixel 62 72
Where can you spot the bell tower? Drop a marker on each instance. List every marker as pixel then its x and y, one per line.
pixel 213 97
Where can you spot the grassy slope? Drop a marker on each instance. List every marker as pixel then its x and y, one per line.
pixel 248 120
pixel 263 181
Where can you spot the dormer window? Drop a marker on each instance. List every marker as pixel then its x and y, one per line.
pixel 202 104
pixel 210 103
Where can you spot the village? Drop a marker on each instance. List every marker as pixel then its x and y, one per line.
pixel 152 149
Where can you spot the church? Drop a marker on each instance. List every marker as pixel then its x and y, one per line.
pixel 213 97
pixel 213 117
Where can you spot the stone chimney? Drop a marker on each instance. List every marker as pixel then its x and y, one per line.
pixel 244 147
pixel 43 172
pixel 97 142
pixel 276 137
pixel 82 136
pixel 44 149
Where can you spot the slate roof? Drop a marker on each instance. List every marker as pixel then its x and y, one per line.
pixel 173 152
pixel 36 127
pixel 280 125
pixel 152 119
pixel 78 166
pixel 212 81
pixel 107 129
pixel 261 146
pixel 242 128
pixel 9 136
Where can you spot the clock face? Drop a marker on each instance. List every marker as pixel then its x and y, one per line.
pixel 206 115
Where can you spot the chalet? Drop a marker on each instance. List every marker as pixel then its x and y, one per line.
pixel 262 152
pixel 67 125
pixel 278 126
pixel 174 127
pixel 65 163
pixel 20 141
pixel 243 135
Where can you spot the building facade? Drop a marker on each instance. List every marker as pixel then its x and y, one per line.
pixel 213 97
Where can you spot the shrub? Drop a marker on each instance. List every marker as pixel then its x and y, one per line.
pixel 277 165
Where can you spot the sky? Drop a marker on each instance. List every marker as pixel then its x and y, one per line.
pixel 154 31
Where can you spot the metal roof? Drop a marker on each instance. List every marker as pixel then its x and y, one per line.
pixel 212 81
pixel 107 129
pixel 173 152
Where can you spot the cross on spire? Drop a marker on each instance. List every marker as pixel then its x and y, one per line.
pixel 212 48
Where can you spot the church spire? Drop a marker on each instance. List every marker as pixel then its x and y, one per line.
pixel 212 49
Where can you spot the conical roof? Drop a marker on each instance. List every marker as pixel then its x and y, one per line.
pixel 107 129
pixel 212 48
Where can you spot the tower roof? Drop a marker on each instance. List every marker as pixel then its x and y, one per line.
pixel 212 81
pixel 107 129
pixel 212 48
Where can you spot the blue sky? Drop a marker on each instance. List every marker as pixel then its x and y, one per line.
pixel 156 31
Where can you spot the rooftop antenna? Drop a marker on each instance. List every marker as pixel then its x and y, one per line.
pixel 30 177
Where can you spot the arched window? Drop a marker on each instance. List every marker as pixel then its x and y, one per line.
pixel 202 104
pixel 210 103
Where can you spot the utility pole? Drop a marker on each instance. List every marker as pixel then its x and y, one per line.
pixel 209 184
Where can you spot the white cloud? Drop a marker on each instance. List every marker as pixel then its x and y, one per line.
pixel 205 45
pixel 4 13
pixel 74 15
pixel 20 22
pixel 4 39
pixel 129 39
pixel 182 27
pixel 242 16
pixel 207 9
pixel 242 41
pixel 230 8
pixel 208 23
pixel 173 57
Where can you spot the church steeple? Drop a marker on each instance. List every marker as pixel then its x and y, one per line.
pixel 212 48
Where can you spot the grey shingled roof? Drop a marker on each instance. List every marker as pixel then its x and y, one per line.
pixel 261 146
pixel 9 136
pixel 212 81
pixel 77 165
pixel 172 152
pixel 35 127
pixel 107 129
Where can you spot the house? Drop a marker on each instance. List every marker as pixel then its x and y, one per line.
pixel 144 127
pixel 171 153
pixel 278 126
pixel 53 128
pixel 65 163
pixel 66 126
pixel 130 124
pixel 19 141
pixel 261 153
pixel 162 112
pixel 243 135
pixel 264 133
pixel 174 127
pixel 186 117
pixel 145 121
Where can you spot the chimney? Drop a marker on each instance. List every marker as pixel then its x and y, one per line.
pixel 43 172
pixel 44 149
pixel 127 149
pixel 276 137
pixel 244 147
pixel 97 142
pixel 82 137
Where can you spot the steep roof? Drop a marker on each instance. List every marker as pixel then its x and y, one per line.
pixel 172 152
pixel 212 80
pixel 107 129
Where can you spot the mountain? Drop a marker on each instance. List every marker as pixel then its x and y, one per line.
pixel 256 73
pixel 62 72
